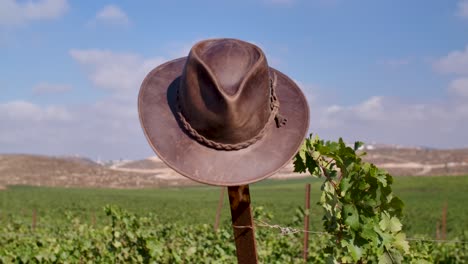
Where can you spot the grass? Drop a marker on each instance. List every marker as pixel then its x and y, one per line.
pixel 424 198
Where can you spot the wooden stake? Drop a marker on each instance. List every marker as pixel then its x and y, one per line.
pixel 444 222
pixel 220 207
pixel 93 219
pixel 242 223
pixel 306 222
pixel 34 219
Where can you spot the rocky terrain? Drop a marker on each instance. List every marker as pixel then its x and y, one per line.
pixel 81 172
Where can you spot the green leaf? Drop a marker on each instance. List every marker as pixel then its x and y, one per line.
pixel 401 243
pixel 344 186
pixel 391 224
pixel 390 257
pixel 299 165
pixel 328 187
pixel 311 165
pixel 385 259
pixel 331 260
pixel 356 252
pixel 117 244
pixel 395 225
pixel 358 145
pixel 369 233
pixel 396 205
pixel 381 177
pixel 351 216
pixel 385 237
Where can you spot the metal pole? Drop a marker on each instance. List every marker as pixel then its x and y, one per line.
pixel 306 222
pixel 242 223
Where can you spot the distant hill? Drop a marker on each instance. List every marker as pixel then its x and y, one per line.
pixel 420 161
pixel 79 159
pixel 155 165
pixel 53 171
pixel 151 163
pixel 152 172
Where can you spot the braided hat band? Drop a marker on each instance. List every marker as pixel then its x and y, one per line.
pixel 274 114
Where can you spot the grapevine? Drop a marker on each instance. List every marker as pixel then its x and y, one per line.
pixel 360 210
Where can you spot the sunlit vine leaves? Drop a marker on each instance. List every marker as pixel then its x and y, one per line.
pixel 360 209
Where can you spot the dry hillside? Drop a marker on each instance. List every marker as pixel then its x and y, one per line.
pixel 420 162
pixel 151 172
pixel 52 171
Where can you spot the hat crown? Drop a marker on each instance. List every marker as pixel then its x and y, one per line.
pixel 224 92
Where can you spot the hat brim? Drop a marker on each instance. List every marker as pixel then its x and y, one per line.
pixel 200 163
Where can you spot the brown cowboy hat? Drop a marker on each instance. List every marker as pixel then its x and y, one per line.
pixel 221 116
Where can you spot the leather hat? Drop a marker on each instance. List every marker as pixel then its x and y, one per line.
pixel 222 116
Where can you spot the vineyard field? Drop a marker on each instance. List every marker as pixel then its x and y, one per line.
pixel 424 198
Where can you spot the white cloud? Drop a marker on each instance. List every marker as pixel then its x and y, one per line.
pixel 387 120
pixel 371 109
pixel 15 12
pixel 455 62
pixel 462 9
pixel 112 14
pixel 333 109
pixel 47 88
pixel 459 87
pixel 23 111
pixel 117 72
pixel 392 120
pixel 108 129
pixel 375 109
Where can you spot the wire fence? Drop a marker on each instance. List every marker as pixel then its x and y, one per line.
pixel 283 230
pixel 286 230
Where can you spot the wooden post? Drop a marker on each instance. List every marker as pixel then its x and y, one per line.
pixel 93 219
pixel 220 207
pixel 444 222
pixel 306 222
pixel 34 219
pixel 242 223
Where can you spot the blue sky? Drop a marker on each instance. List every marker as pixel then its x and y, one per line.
pixel 392 72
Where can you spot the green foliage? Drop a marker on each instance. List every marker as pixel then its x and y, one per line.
pixel 128 239
pixel 144 239
pixel 360 210
pixel 424 199
pixel 132 239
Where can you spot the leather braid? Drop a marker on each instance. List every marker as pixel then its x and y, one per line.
pixel 274 114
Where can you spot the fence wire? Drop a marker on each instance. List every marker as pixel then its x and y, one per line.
pixel 286 230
